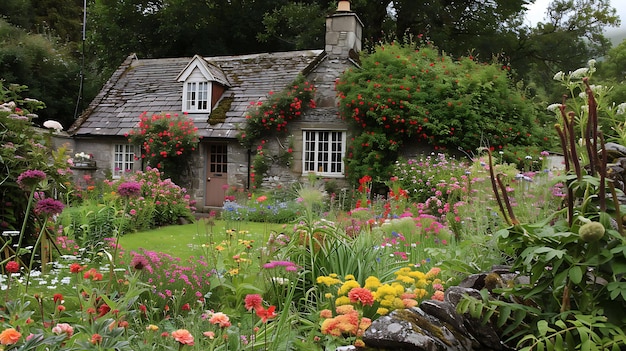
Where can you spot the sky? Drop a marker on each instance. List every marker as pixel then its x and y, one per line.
pixel 537 13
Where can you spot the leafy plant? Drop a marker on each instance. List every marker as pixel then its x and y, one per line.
pixel 575 259
pixel 166 142
pixel 412 93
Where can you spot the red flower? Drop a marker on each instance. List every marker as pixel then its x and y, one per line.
pixel 57 297
pixel 362 295
pixel 253 301
pixel 266 314
pixel 96 339
pixel 185 307
pixel 12 267
pixel 92 274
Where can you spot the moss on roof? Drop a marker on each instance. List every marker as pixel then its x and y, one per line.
pixel 218 115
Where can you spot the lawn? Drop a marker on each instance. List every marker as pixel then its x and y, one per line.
pixel 185 241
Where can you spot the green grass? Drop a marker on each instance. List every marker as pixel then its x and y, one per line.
pixel 184 241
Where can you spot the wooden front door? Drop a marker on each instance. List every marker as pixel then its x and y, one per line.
pixel 216 174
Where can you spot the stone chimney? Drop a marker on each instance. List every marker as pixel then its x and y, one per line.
pixel 344 31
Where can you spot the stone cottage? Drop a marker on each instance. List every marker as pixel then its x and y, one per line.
pixel 200 86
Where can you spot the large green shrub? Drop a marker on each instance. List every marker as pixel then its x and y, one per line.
pixel 403 93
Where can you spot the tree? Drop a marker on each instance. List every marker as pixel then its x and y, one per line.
pixel 411 93
pixel 46 67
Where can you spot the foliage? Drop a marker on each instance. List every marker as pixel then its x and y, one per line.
pixel 271 117
pixel 572 302
pixel 403 93
pixel 274 114
pixel 420 177
pixel 24 149
pixel 166 142
pixel 42 64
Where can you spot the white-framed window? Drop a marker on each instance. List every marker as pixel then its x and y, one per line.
pixel 323 152
pixel 196 96
pixel 123 159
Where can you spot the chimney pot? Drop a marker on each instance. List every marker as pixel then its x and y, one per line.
pixel 343 6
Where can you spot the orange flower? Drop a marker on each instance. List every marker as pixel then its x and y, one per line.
pixel 96 339
pixel 326 313
pixel 362 295
pixel 183 336
pixel 221 319
pixel 261 198
pixel 438 295
pixel 9 336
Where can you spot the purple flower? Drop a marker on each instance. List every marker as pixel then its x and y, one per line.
pixel 49 207
pixel 129 189
pixel 30 178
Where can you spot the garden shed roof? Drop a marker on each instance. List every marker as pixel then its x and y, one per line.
pixel 150 85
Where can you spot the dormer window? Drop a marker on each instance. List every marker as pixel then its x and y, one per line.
pixel 203 85
pixel 196 97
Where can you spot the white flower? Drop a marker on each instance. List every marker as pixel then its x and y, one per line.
pixel 621 108
pixel 50 124
pixel 591 63
pixel 559 76
pixel 579 73
pixel 554 107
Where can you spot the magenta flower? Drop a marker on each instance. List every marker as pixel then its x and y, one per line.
pixel 30 178
pixel 129 189
pixel 49 207
pixel 139 262
pixel 289 266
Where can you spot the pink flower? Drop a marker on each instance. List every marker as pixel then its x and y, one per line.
pixel 63 328
pixel 221 319
pixel 30 178
pixel 49 207
pixel 183 336
pixel 261 198
pixel 129 189
pixel 253 301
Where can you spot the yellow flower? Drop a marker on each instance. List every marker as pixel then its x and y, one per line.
pixel 329 295
pixel 406 279
pixel 347 286
pixel 350 277
pixel 219 248
pixel 372 283
pixel 328 280
pixel 398 303
pixel 152 327
pixel 382 311
pixel 342 300
pixel 233 271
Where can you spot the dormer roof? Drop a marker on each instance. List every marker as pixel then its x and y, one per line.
pixel 210 71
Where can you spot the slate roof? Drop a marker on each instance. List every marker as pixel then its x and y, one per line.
pixel 149 85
